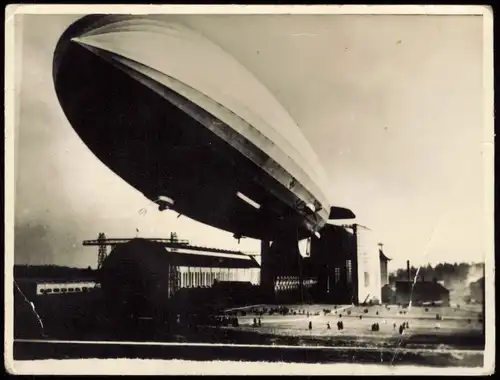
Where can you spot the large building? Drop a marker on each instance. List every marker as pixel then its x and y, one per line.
pixel 145 278
pixel 193 266
pixel 138 277
pixel 343 265
pixel 34 281
pixel 347 263
pixel 421 293
pixel 201 268
pixel 52 304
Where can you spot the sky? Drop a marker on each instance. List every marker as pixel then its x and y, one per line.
pixel 392 105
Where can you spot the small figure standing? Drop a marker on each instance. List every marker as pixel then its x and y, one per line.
pixel 310 325
pixel 260 322
pixel 328 326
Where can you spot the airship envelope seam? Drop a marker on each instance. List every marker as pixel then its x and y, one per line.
pixel 214 108
pixel 182 43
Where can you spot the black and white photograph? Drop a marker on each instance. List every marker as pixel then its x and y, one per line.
pixel 303 187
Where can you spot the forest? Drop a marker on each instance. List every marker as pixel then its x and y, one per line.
pixel 451 274
pixel 52 271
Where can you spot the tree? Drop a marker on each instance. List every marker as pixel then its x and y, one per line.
pixel 447 272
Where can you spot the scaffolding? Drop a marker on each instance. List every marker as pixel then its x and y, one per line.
pixel 103 243
pixel 102 250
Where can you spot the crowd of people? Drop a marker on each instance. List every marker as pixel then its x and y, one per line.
pixel 280 310
pixel 230 319
pixel 211 320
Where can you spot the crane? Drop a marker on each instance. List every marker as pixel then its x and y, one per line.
pixel 103 243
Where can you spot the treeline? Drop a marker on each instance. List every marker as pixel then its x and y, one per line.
pixel 449 273
pixel 51 271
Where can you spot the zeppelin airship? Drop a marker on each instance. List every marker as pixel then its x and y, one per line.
pixel 183 122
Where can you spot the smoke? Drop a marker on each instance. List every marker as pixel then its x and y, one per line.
pixel 460 287
pixel 476 271
pixel 459 290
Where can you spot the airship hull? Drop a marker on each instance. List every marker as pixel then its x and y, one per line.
pixel 166 139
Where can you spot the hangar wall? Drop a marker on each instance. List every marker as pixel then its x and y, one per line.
pixel 368 256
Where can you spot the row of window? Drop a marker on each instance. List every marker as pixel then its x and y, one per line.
pixel 286 283
pixel 349 270
pixel 292 283
pixel 202 277
pixel 65 290
pixel 337 273
pixel 195 279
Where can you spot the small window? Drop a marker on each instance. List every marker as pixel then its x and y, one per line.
pixel 84 289
pixel 78 290
pixel 337 275
pixel 56 290
pixel 64 290
pixel 48 290
pixel 71 289
pixel 349 270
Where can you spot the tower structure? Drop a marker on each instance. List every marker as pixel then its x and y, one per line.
pixel 102 250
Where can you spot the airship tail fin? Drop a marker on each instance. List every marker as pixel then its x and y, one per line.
pixel 341 213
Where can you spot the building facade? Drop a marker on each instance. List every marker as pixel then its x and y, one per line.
pixel 333 262
pixel 192 277
pixel 384 273
pixel 346 262
pixel 62 287
pixel 421 293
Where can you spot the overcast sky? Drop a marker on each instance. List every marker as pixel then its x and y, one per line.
pixel 392 105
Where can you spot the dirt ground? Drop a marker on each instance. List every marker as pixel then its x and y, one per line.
pixel 357 320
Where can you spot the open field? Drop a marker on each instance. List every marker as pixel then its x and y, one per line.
pixel 459 327
pixel 456 342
